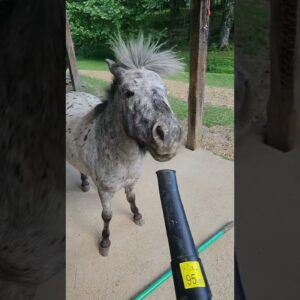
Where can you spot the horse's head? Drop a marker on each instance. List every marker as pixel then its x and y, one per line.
pixel 145 111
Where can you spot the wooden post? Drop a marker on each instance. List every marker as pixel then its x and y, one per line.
pixel 198 56
pixel 71 58
pixel 281 106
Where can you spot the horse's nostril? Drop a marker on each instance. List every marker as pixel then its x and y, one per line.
pixel 160 133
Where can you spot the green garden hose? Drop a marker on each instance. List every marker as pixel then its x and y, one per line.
pixel 166 275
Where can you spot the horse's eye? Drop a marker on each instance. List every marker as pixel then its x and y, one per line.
pixel 128 94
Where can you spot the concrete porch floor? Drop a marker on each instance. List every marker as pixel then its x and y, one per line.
pixel 139 254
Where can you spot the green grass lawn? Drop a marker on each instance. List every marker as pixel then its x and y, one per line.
pixel 91 64
pixel 212 79
pixel 213 115
pixel 217 61
pixel 220 61
pixel 94 86
pixel 219 68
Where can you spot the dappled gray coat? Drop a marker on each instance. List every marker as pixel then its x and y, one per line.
pixel 107 140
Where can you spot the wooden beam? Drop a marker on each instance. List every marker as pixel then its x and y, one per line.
pixel 198 56
pixel 71 58
pixel 281 106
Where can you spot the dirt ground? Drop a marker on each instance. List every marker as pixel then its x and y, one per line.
pixel 217 139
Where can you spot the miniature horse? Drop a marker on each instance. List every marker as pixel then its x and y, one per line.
pixel 108 140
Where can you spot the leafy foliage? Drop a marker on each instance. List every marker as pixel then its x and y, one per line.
pixel 218 116
pixel 94 21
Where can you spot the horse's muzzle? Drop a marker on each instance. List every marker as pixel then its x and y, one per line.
pixel 166 134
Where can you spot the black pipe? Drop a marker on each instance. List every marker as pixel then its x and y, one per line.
pixel 188 274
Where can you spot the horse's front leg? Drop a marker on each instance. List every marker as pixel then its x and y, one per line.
pixel 106 217
pixel 137 216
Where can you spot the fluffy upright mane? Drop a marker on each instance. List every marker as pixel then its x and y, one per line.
pixel 145 53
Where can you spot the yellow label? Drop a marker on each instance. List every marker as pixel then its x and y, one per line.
pixel 191 274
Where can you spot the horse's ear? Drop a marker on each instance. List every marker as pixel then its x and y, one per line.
pixel 114 68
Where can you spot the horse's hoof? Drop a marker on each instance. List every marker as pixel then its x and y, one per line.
pixel 104 251
pixel 104 247
pixel 85 188
pixel 138 220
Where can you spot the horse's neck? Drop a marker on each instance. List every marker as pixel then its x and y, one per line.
pixel 111 135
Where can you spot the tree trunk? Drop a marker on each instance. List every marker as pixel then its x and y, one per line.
pixel 227 22
pixel 174 10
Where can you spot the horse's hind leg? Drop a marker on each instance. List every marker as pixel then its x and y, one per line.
pixel 137 216
pixel 85 185
pixel 106 217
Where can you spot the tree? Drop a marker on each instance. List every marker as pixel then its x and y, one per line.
pixel 174 11
pixel 93 22
pixel 175 6
pixel 227 23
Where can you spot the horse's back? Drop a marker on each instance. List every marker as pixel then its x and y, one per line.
pixel 79 123
pixel 78 104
